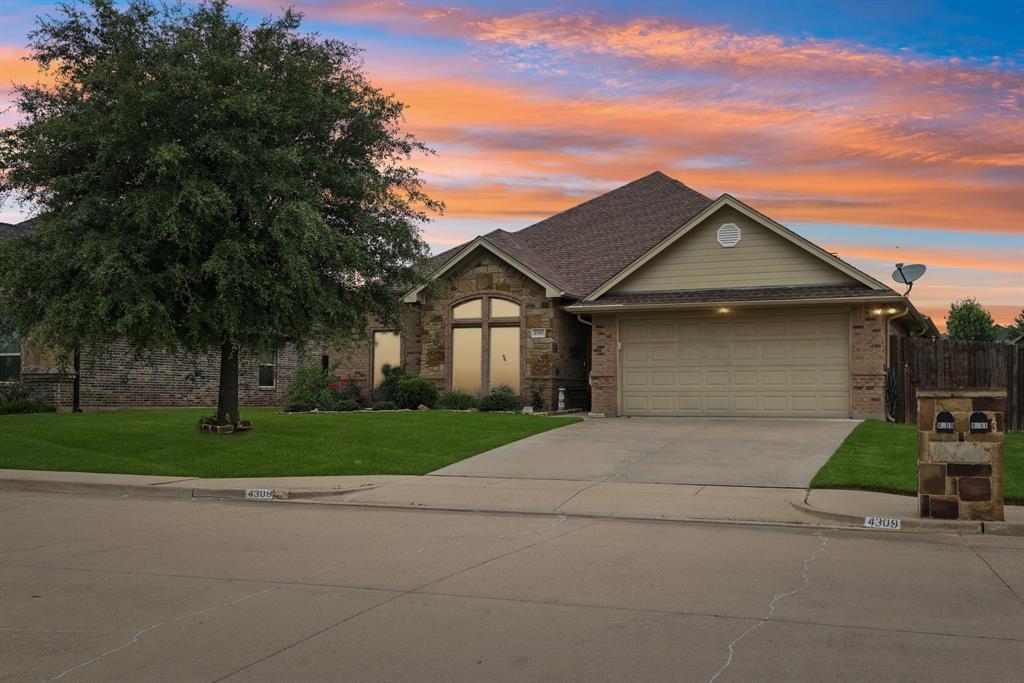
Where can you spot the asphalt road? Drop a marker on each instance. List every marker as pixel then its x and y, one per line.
pixel 137 589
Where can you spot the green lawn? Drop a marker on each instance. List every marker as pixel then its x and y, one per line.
pixel 882 456
pixel 168 442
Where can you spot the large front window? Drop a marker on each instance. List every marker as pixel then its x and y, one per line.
pixel 10 358
pixel 386 351
pixel 486 341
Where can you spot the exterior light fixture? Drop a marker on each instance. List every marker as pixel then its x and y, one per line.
pixel 723 310
pixel 877 311
pixel 890 311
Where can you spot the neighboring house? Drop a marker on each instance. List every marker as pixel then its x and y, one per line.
pixel 120 377
pixel 651 299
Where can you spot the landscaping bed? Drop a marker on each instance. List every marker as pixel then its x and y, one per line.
pixel 168 442
pixel 882 456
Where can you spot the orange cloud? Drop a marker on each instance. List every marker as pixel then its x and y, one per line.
pixel 967 259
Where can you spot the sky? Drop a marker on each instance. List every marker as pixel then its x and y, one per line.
pixel 883 131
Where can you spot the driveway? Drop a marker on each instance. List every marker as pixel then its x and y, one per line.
pixel 669 450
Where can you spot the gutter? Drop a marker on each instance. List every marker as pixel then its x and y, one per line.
pixel 576 308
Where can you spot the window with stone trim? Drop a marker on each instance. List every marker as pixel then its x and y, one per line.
pixel 268 370
pixel 486 344
pixel 10 358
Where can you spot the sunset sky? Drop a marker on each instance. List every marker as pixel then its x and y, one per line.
pixel 884 131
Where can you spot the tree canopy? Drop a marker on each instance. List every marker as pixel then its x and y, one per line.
pixel 969 321
pixel 205 184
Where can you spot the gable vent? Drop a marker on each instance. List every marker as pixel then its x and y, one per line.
pixel 729 235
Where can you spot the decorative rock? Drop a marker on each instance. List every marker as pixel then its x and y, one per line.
pixel 422 407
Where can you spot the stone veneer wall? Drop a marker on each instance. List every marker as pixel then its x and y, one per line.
pixel 118 377
pixel 604 375
pixel 867 362
pixel 960 474
pixel 556 360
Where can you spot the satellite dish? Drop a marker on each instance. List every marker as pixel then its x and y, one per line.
pixel 908 274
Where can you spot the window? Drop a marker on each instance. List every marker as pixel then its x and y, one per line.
pixel 486 347
pixel 10 358
pixel 386 351
pixel 268 369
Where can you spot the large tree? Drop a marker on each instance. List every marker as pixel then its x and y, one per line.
pixel 205 184
pixel 969 321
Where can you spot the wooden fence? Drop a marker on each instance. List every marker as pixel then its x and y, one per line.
pixel 945 364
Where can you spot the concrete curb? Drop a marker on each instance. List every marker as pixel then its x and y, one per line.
pixel 166 491
pixel 918 525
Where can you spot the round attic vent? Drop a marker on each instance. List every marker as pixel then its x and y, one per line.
pixel 729 235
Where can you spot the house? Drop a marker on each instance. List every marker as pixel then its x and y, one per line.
pixel 651 299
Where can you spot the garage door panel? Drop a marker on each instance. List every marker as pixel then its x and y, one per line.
pixel 788 364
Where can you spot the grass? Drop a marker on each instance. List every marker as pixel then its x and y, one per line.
pixel 882 456
pixel 168 442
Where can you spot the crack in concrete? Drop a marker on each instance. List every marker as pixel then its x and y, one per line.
pixel 403 594
pixel 138 634
pixel 806 581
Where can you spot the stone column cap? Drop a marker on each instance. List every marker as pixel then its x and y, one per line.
pixel 961 393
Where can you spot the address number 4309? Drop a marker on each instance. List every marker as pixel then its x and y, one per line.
pixel 882 522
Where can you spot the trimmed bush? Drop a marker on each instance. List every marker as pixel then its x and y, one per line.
pixel 500 400
pixel 25 407
pixel 411 391
pixel 389 384
pixel 347 405
pixel 384 405
pixel 457 400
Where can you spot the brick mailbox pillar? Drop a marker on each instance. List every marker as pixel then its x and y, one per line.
pixel 960 453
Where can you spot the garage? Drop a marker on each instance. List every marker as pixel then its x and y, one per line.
pixel 779 363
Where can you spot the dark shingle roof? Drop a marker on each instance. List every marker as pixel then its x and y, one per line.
pixel 582 247
pixel 737 294
pixel 11 231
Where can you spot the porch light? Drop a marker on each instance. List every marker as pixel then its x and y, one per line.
pixel 890 311
pixel 723 310
pixel 877 311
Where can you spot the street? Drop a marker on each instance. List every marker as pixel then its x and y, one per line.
pixel 105 588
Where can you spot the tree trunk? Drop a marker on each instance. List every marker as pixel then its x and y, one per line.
pixel 227 395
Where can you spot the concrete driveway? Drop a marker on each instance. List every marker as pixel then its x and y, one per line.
pixel 663 450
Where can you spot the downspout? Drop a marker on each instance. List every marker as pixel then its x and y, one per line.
pixel 906 310
pixel 590 381
pixel 76 390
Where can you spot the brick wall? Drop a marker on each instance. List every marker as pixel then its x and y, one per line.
pixel 867 363
pixel 119 377
pixel 604 373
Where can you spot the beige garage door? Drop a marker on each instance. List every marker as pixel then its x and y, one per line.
pixel 769 365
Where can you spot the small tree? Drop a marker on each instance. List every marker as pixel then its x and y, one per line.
pixel 1018 322
pixel 969 321
pixel 203 184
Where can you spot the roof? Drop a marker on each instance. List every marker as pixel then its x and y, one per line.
pixel 11 231
pixel 736 295
pixel 582 247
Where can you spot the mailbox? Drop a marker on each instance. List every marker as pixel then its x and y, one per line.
pixel 945 423
pixel 980 424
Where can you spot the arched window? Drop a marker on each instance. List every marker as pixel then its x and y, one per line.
pixel 486 341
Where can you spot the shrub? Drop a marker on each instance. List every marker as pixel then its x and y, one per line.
pixel 537 400
pixel 306 388
pixel 411 391
pixel 389 383
pixel 347 405
pixel 457 400
pixel 499 400
pixel 346 390
pixel 22 407
pixel 384 405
